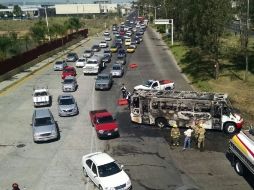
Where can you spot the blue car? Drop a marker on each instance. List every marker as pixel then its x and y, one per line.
pixel 121 53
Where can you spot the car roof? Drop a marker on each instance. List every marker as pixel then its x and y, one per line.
pixel 116 64
pixel 101 159
pixel 42 113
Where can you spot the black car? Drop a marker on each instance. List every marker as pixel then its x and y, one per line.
pixel 106 58
pixel 121 53
pixel 95 48
pixel 71 57
pixel 137 40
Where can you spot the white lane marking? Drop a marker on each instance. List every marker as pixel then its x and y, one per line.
pixel 92 137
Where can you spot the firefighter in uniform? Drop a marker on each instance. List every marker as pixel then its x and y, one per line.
pixel 201 136
pixel 175 135
pixel 195 127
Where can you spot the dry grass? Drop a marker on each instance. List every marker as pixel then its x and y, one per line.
pixel 21 27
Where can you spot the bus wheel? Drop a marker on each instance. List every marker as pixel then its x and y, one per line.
pixel 161 122
pixel 239 167
pixel 230 128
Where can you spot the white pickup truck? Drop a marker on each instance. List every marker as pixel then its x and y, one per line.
pixel 41 97
pixel 93 65
pixel 156 85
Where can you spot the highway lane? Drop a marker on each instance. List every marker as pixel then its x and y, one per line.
pixel 55 165
pixel 143 150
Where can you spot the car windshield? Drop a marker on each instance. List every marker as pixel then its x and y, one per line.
pixel 66 101
pixel 148 83
pixel 40 94
pixel 105 119
pixel 59 63
pixel 68 70
pixel 71 55
pixel 106 51
pixel 108 169
pixel 113 46
pixel 121 51
pixel 88 51
pixel 81 60
pixel 116 67
pixel 102 78
pixel 43 121
pixel 68 81
pixel 92 62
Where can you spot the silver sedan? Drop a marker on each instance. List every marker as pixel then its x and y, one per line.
pixel 117 70
pixel 67 105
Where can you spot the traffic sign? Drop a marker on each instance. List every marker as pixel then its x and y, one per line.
pixel 161 21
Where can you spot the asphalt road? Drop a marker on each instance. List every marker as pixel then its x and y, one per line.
pixel 144 150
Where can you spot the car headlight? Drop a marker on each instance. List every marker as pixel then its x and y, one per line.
pixel 36 135
pixel 128 183
pixel 109 188
pixel 100 131
pixel 53 132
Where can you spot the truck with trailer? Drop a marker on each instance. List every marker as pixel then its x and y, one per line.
pixel 94 65
pixel 241 149
pixel 41 96
pixel 164 108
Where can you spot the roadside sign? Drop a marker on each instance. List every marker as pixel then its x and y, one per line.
pixel 161 21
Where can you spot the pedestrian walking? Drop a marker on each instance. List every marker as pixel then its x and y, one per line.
pixel 201 137
pixel 187 139
pixel 15 186
pixel 175 135
pixel 123 90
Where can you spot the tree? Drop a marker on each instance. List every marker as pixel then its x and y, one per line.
pixel 3 7
pixel 39 31
pixel 4 44
pixel 73 23
pixel 27 39
pixel 17 11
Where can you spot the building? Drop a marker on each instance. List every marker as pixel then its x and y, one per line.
pixel 85 8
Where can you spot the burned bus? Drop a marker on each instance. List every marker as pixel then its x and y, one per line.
pixel 162 108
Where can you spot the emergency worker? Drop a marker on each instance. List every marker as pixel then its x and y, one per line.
pixel 123 90
pixel 175 135
pixel 201 136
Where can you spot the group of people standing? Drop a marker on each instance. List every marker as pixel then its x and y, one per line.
pixel 197 127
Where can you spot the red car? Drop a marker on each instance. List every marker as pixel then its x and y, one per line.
pixel 122 32
pixel 104 123
pixel 68 71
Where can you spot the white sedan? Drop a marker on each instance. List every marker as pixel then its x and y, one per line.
pixel 81 62
pixel 105 172
pixel 103 44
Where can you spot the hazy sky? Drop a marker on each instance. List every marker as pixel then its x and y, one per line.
pixel 55 1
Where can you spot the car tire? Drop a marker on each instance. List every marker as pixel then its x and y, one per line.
pixel 84 172
pixel 239 168
pixel 161 122
pixel 229 128
pixel 100 187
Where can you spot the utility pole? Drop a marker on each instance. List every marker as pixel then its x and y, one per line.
pixel 246 41
pixel 47 21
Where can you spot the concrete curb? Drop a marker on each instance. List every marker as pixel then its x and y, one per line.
pixel 40 68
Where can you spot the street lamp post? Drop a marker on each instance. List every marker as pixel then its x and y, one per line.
pixel 46 17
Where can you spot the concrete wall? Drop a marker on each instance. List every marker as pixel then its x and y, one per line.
pixel 112 8
pixel 77 8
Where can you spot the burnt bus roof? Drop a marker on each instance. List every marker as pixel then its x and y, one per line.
pixel 181 95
